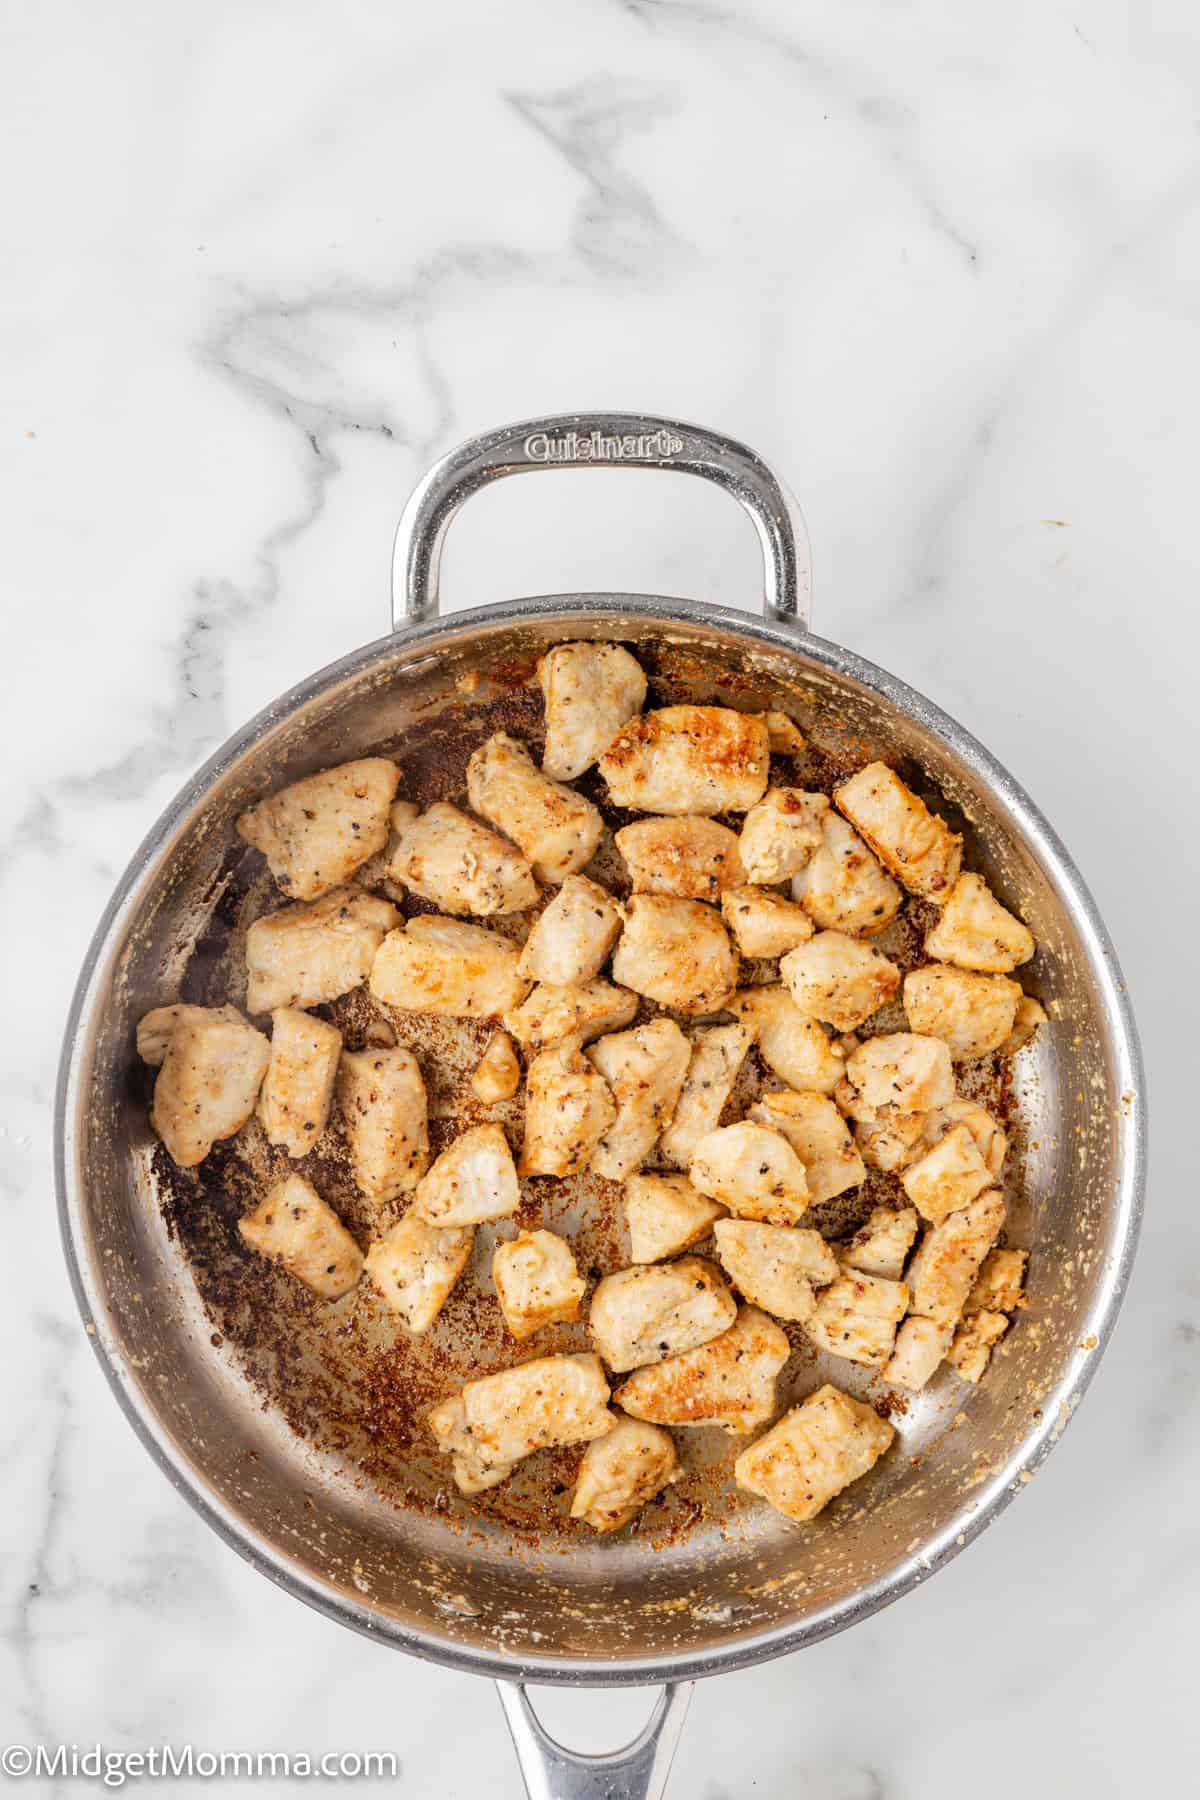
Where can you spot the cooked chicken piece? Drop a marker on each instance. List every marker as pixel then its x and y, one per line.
pixel 689 759
pixel 818 1134
pixel 590 690
pixel 890 1139
pixel 838 980
pixel 1030 1014
pixel 942 1273
pixel 294 1228
pixel 415 1265
pixel 972 1014
pixel 473 1180
pixel 921 1344
pixel 568 1109
pixel 374 872
pixel 643 1314
pixel 915 844
pixel 775 1266
pixel 304 955
pixel 881 1246
pixel 537 1282
pixel 783 734
pixel 763 923
pixel 781 832
pixel 621 1472
pixel 294 1102
pixel 842 887
pixel 570 941
pixel 976 932
pixel 793 1047
pixel 971 1351
pixel 497 1420
pixel 211 1070
pixel 382 1099
pixel 912 1074
pixel 317 832
pixel 856 1317
pixel 645 1070
pixel 676 952
pixel 461 866
pixel 948 1176
pixel 717 1053
pixel 729 1381
pixel 990 1140
pixel 665 1215
pixel 498 1073
pixel 1000 1284
pixel 551 1014
pixel 815 1451
pixel 693 859
pixel 446 967
pixel 753 1171
pixel 556 828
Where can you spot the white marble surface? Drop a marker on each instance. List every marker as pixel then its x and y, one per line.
pixel 942 265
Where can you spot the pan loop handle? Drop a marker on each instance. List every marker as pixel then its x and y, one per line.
pixel 600 441
pixel 638 1772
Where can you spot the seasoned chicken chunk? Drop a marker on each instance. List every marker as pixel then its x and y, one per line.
pixel 971 1351
pixel 498 1073
pixel 645 1070
pixel 304 955
pixel 1030 1014
pixel 296 1229
pixel 775 1266
pixel 841 887
pixel 691 858
pixel 976 932
pixel 211 1070
pixel 676 952
pixel 461 866
pixel 921 1345
pixel 729 1381
pixel 499 1419
pixel 570 941
pixel 818 1134
pixel 568 1109
pixel 621 1472
pixel 1000 1284
pixel 838 980
pixel 916 845
pixel 793 1047
pixel 942 1273
pixel 665 1215
pixel 753 1171
pixel 551 1014
pixel 948 1176
pixel 382 1099
pixel 590 691
pixel 537 1282
pixel 689 759
pixel 643 1314
pixel 856 1317
pixel 881 1246
pixel 446 967
pixel 990 1139
pixel 317 832
pixel 473 1180
pixel 415 1265
pixel 763 923
pixel 889 1139
pixel 295 1098
pixel 374 872
pixel 972 1014
pixel 814 1452
pixel 783 734
pixel 717 1053
pixel 780 833
pixel 901 1070
pixel 556 828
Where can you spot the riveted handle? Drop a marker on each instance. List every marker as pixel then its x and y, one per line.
pixel 638 1772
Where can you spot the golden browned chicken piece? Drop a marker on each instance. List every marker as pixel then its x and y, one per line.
pixel 556 828
pixel 946 1177
pixel 793 1047
pixel 783 734
pixel 842 887
pixel 973 1014
pixel 294 1101
pixel 839 980
pixel 415 1265
pixel 921 1344
pixel 382 1100
pixel 497 1074
pixel 303 955
pixel 990 1139
pixel 814 1452
pixel 447 967
pixel 374 872
pixel 537 1282
pixel 550 1014
pixel 294 1227
pixel 916 845
pixel 590 691
pixel 317 832
pixel 691 858
pixel 621 1472
pixel 453 860
pixel 1000 1284
pixel 911 1073
pixel 496 1421
pixel 818 1134
pixel 1030 1014
pixel 729 1381
pixel 154 1028
pixel 881 1245
pixel 645 1070
pixel 717 1054
pixel 568 1109
pixel 780 833
pixel 856 1317
pixel 689 759
pixel 976 932
pixel 665 1215
pixel 643 1314
pixel 473 1181
pixel 942 1273
pixel 571 940
pixel 752 1170
pixel 676 952
pixel 763 923
pixel 775 1266
pixel 212 1066
pixel 971 1351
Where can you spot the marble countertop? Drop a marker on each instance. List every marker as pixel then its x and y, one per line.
pixel 940 266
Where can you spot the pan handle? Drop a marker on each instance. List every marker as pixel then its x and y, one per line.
pixel 638 1772
pixel 602 441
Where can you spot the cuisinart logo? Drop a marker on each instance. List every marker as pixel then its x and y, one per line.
pixel 651 446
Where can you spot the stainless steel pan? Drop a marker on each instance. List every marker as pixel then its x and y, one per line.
pixel 329 1487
